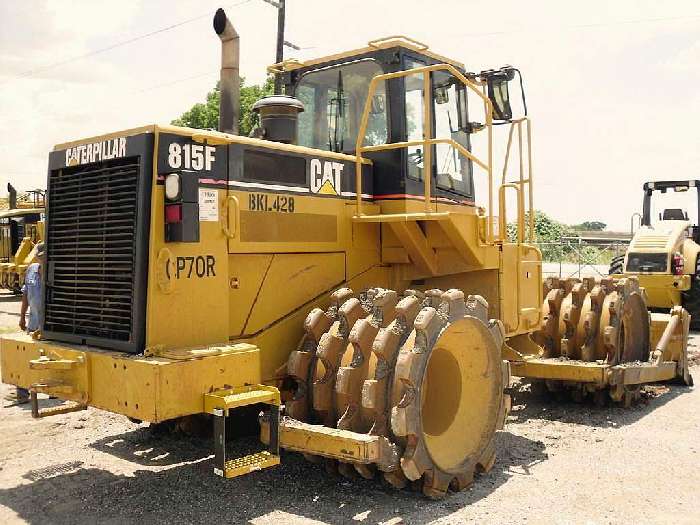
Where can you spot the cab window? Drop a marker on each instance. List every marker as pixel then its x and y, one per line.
pixel 451 171
pixel 334 98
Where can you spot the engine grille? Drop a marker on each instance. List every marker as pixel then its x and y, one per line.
pixel 91 251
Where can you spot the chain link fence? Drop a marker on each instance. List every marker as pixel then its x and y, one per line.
pixel 580 257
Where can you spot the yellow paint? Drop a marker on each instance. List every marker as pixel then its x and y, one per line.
pixel 663 290
pixel 231 398
pixel 291 280
pixel 668 237
pixel 147 388
pixel 382 43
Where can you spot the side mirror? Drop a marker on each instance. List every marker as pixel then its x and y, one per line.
pixel 500 98
pixel 497 91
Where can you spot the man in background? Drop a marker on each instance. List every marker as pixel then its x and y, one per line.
pixel 32 300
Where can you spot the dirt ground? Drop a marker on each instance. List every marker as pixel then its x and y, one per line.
pixel 557 463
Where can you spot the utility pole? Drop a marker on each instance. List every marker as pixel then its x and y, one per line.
pixel 280 45
pixel 279 4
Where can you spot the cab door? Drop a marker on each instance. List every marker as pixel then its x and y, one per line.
pixel 520 286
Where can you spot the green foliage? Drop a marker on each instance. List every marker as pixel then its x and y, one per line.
pixel 249 96
pixel 591 226
pixel 206 115
pixel 558 242
pixel 547 229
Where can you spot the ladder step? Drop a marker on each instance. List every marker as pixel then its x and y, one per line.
pixel 65 408
pixel 247 464
pixel 231 398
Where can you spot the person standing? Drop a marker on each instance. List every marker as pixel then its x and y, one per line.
pixel 32 300
pixel 32 292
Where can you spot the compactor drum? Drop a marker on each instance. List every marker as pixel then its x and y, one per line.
pixel 400 368
pixel 334 267
pixel 595 321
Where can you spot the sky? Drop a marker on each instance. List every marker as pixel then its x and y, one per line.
pixel 611 86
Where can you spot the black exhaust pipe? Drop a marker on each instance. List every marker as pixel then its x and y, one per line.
pixel 230 83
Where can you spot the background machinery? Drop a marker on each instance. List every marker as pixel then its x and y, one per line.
pixel 21 228
pixel 337 267
pixel 663 254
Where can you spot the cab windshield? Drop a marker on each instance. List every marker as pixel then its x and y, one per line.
pixel 333 99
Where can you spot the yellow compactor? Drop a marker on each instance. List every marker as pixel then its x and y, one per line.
pixel 21 228
pixel 663 254
pixel 334 267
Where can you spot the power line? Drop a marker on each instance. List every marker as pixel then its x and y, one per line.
pixel 158 86
pixel 588 26
pixel 31 72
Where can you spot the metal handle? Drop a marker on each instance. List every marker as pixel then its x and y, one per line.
pixel 230 231
pixel 503 220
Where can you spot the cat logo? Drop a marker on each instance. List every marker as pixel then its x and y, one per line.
pixel 325 176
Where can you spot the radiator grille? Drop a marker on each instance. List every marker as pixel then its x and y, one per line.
pixel 92 218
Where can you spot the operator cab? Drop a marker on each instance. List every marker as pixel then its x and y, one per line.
pixel 334 90
pixel 661 191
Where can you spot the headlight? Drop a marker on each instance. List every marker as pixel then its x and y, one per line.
pixel 172 186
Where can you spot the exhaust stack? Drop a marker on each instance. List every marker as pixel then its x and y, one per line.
pixel 13 196
pixel 230 83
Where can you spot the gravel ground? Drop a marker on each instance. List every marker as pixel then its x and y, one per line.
pixel 557 463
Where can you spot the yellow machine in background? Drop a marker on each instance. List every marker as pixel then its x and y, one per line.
pixel 21 228
pixel 663 254
pixel 337 266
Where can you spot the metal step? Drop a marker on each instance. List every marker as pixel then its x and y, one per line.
pixel 65 408
pixel 219 403
pixel 247 464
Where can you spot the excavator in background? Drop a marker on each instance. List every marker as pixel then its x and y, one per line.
pixel 21 228
pixel 663 254
pixel 336 269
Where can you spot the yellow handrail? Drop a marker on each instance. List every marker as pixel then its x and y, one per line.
pixel 428 139
pixel 479 89
pixel 376 43
pixel 502 219
pixel 522 180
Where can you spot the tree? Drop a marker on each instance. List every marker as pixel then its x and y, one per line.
pixel 547 229
pixel 206 115
pixel 591 226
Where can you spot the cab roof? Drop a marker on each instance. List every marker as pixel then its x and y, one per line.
pixel 373 45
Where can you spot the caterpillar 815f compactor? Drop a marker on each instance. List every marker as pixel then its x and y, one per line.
pixel 663 254
pixel 335 264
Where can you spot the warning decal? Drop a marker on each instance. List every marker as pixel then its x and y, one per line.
pixel 208 205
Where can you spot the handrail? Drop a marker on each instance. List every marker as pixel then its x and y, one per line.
pixel 407 144
pixel 522 181
pixel 428 139
pixel 502 218
pixel 377 42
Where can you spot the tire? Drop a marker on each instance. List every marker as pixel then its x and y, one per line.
pixel 617 265
pixel 690 299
